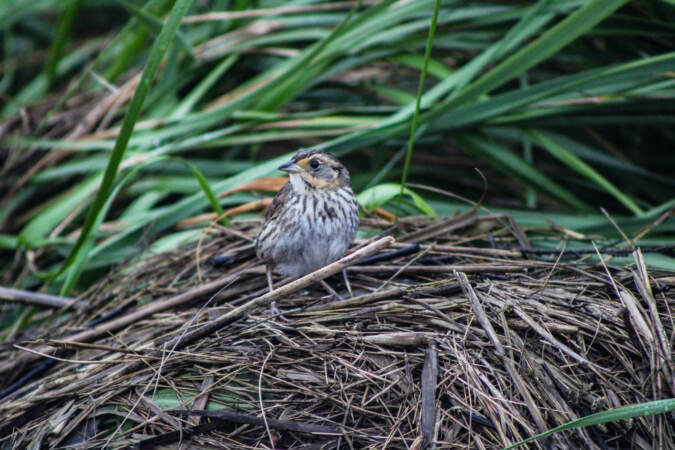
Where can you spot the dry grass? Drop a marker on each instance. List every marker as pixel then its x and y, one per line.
pixel 457 343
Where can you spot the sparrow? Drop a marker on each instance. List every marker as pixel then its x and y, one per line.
pixel 313 218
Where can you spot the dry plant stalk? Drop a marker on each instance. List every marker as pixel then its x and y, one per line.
pixel 455 345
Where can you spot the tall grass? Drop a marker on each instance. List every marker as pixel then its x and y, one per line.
pixel 90 132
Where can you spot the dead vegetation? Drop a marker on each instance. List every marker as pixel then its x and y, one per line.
pixel 447 341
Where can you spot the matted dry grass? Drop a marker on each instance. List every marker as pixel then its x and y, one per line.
pixel 456 342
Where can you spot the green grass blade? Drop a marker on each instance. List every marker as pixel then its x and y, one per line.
pixel 420 91
pixel 546 45
pixel 155 25
pixel 378 195
pixel 576 164
pixel 44 221
pixel 203 87
pixel 508 162
pixel 9 242
pixel 206 188
pixel 65 24
pixel 167 217
pixel 289 84
pixel 79 264
pixel 157 52
pixel 612 415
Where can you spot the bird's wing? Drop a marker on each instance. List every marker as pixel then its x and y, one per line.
pixel 279 200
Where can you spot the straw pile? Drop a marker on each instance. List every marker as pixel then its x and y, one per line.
pixel 467 340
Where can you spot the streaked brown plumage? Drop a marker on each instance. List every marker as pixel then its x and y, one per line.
pixel 313 218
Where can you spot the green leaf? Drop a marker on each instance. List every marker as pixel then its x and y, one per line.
pixel 382 193
pixel 168 216
pixel 56 211
pixel 172 241
pixel 155 25
pixel 612 415
pixel 9 242
pixel 203 87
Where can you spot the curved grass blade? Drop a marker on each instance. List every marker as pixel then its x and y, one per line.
pixel 420 91
pixel 597 81
pixel 202 88
pixel 9 242
pixel 57 210
pixel 81 257
pixel 168 216
pixel 532 21
pixel 612 415
pixel 288 85
pixel 207 190
pixel 576 164
pixel 158 50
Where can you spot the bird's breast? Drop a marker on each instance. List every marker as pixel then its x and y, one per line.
pixel 314 230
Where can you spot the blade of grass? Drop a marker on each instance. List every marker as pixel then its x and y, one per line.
pixel 288 85
pixel 158 50
pixel 475 113
pixel 576 164
pixel 545 46
pixel 132 40
pixel 206 188
pixel 612 415
pixel 203 87
pixel 74 271
pixel 508 162
pixel 9 242
pixel 420 91
pixel 165 217
pixel 531 22
pixel 56 210
pixel 155 26
pixel 56 51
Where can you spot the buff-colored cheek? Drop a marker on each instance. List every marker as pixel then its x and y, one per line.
pixel 321 183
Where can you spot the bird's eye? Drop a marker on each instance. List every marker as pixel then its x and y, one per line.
pixel 314 164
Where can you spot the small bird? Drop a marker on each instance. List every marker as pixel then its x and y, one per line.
pixel 313 218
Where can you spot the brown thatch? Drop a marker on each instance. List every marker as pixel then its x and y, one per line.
pixel 454 343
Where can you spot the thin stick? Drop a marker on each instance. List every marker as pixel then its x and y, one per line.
pixel 479 311
pixel 107 327
pixel 285 290
pixel 35 298
pixel 467 268
pixel 185 339
pixel 234 417
pixel 260 398
pixel 380 295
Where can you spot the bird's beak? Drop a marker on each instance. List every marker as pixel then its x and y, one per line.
pixel 290 167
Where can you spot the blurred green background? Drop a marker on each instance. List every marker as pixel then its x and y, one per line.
pixel 565 106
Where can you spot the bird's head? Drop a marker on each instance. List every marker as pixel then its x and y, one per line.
pixel 316 169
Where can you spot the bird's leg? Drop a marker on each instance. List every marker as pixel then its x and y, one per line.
pixel 330 289
pixel 269 277
pixel 349 286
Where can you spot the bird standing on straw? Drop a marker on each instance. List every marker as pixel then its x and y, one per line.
pixel 313 218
